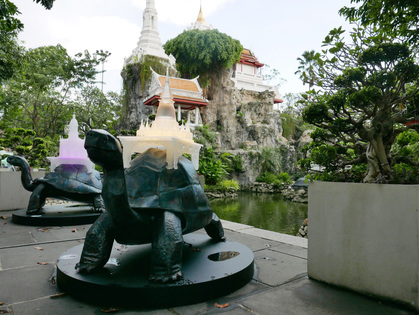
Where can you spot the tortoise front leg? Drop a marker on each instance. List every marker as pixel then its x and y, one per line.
pixel 98 244
pixel 37 199
pixel 215 229
pixel 167 246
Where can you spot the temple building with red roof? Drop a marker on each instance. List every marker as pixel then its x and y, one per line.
pixel 248 75
pixel 187 95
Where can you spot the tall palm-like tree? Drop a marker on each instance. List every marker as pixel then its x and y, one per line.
pixel 306 68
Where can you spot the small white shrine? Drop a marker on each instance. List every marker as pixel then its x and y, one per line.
pixel 164 133
pixel 72 149
pixel 149 42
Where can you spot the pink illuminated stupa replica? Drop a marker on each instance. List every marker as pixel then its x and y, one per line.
pixel 164 133
pixel 72 149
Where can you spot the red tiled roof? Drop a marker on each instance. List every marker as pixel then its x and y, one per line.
pixel 248 57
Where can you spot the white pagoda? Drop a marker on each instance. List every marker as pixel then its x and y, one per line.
pixel 200 23
pixel 149 42
pixel 164 133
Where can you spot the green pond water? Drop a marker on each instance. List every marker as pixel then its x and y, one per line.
pixel 266 211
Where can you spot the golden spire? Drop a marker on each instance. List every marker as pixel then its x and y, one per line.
pixel 200 18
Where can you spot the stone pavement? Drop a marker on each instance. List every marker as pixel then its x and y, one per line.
pixel 280 284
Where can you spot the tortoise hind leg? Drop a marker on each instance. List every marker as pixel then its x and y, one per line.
pixel 215 229
pixel 98 203
pixel 167 246
pixel 98 245
pixel 37 199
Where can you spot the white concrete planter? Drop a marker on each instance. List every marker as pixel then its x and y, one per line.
pixel 365 237
pixel 12 194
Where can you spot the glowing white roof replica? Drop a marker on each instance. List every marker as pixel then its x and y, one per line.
pixel 72 149
pixel 164 133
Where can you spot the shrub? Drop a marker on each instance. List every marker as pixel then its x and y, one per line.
pixel 228 185
pixel 275 179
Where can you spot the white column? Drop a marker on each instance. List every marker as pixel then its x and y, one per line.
pixel 179 112
pixel 196 115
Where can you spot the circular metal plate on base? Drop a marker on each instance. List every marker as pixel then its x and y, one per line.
pixel 210 269
pixel 57 215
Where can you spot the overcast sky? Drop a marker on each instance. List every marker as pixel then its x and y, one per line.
pixel 277 31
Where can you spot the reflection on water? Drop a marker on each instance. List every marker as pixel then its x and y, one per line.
pixel 266 211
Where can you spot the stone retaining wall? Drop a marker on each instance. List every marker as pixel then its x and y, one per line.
pixel 12 194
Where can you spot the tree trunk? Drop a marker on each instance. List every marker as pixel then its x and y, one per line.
pixel 377 160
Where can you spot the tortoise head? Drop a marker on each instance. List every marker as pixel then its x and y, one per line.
pixel 18 161
pixel 103 148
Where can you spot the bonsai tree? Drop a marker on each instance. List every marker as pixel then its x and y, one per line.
pixel 365 95
pixel 24 142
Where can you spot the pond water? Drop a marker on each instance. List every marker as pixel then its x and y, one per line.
pixel 266 211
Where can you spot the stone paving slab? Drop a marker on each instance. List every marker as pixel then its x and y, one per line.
pixel 275 268
pixel 253 287
pixel 274 236
pixel 290 250
pixel 254 243
pixel 306 296
pixel 24 284
pixel 13 234
pixel 33 255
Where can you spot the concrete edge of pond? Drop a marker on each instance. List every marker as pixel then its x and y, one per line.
pixel 269 235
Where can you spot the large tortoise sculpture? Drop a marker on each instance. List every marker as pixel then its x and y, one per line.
pixel 146 203
pixel 68 182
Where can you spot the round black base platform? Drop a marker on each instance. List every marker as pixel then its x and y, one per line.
pixel 57 215
pixel 210 269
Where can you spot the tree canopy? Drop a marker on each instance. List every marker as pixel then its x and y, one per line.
pixel 37 97
pixel 389 16
pixel 202 52
pixel 367 92
pixel 10 51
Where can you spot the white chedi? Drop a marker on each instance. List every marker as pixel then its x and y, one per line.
pixel 72 149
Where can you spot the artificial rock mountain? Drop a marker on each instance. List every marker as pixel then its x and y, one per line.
pixel 244 121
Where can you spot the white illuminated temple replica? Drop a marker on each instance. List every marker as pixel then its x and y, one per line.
pixel 164 133
pixel 72 149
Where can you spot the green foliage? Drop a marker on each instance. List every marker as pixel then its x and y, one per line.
pixel 24 142
pixel 212 169
pixel 406 149
pixel 215 166
pixel 144 66
pixel 270 160
pixel 202 52
pixel 388 16
pixel 276 179
pixel 47 4
pixel 10 50
pixel 292 125
pixel 129 132
pixel 96 110
pixel 367 91
pixel 39 96
pixel 224 185
pixel 205 136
